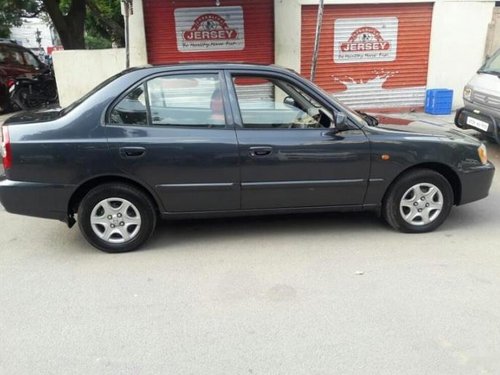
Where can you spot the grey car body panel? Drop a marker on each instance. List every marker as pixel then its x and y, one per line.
pixel 204 172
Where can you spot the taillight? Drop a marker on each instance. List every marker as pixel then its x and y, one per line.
pixel 10 82
pixel 6 150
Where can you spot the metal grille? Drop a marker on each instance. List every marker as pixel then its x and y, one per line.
pixel 485 99
pixel 395 77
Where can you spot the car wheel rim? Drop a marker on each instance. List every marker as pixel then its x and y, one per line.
pixel 421 204
pixel 115 220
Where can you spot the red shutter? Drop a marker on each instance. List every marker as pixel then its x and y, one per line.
pixel 161 39
pixel 377 84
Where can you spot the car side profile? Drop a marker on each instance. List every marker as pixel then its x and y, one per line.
pixel 222 139
pixel 15 61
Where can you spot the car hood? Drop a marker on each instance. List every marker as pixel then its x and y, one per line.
pixel 486 83
pixel 30 117
pixel 422 129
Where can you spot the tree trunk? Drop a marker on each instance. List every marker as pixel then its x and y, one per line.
pixel 70 27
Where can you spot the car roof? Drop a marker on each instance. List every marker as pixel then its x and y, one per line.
pixel 216 65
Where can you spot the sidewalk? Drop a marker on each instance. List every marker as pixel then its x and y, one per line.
pixel 442 120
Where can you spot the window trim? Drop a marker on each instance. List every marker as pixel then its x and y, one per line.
pixel 143 81
pixel 238 120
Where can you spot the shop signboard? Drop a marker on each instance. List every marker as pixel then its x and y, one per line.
pixel 205 29
pixel 359 40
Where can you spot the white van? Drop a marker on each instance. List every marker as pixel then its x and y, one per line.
pixel 482 101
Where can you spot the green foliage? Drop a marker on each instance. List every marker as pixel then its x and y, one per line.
pixel 97 42
pixel 12 11
pixel 105 21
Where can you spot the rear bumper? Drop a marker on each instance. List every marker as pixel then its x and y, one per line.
pixel 476 183
pixel 35 199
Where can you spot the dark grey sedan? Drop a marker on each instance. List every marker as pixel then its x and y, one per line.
pixel 205 140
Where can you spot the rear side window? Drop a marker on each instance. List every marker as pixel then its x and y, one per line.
pixel 193 100
pixel 10 56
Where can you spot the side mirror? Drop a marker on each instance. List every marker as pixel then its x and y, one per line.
pixel 289 101
pixel 341 121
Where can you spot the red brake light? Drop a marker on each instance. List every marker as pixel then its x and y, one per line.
pixel 10 82
pixel 6 150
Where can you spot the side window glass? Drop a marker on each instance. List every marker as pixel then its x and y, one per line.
pixel 11 56
pixel 3 55
pixel 31 60
pixel 267 103
pixel 131 109
pixel 186 100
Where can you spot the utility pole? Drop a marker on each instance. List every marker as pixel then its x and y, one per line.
pixel 128 10
pixel 319 21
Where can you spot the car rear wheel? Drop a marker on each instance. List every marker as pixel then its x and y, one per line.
pixel 116 218
pixel 418 202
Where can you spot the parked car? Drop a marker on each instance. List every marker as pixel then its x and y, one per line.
pixel 481 96
pixel 15 61
pixel 202 140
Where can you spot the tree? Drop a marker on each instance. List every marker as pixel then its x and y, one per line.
pixel 100 19
pixel 69 23
pixel 104 23
pixel 12 11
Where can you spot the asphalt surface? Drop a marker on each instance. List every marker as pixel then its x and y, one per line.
pixel 306 294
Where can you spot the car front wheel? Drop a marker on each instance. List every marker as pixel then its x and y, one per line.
pixel 418 202
pixel 116 218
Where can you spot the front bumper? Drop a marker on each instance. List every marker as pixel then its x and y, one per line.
pixel 36 199
pixel 493 123
pixel 476 183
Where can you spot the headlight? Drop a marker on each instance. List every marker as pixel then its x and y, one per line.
pixel 467 93
pixel 483 154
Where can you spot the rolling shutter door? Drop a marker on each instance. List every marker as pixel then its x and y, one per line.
pixel 187 30
pixel 371 56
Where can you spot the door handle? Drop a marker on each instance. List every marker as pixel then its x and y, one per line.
pixel 132 152
pixel 260 151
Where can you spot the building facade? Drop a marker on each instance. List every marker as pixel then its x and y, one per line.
pixel 377 55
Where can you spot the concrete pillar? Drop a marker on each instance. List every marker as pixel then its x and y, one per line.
pixel 137 35
pixel 287 33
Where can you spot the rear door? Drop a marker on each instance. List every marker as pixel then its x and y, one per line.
pixel 291 156
pixel 169 132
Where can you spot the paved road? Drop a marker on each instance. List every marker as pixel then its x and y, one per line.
pixel 311 294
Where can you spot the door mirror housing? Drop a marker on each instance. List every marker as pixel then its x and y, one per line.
pixel 341 121
pixel 289 101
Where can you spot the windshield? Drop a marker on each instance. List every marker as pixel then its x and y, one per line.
pixel 93 91
pixel 492 65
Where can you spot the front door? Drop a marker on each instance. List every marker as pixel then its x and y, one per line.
pixel 170 133
pixel 291 155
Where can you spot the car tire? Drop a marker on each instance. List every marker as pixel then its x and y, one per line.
pixel 116 218
pixel 419 201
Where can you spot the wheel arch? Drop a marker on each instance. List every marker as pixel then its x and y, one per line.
pixel 443 169
pixel 88 185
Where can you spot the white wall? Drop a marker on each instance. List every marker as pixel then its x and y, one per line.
pixel 287 33
pixel 79 71
pixel 458 38
pixel 137 35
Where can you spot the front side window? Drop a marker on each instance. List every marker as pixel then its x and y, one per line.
pixel 191 100
pixel 268 103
